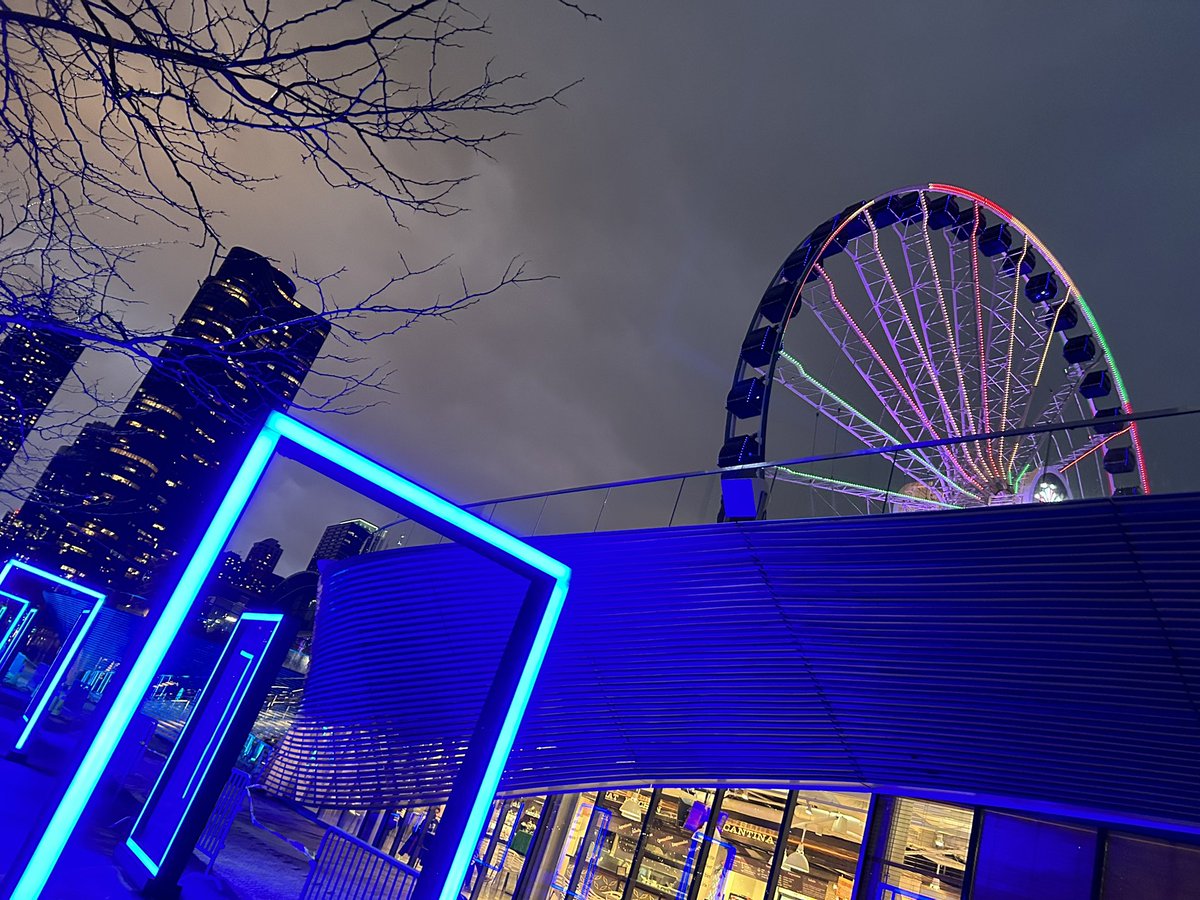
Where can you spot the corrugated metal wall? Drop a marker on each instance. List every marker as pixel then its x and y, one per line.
pixel 1044 654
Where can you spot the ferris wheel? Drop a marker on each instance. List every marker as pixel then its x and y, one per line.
pixel 931 317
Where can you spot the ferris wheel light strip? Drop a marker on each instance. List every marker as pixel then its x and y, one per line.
pixel 804 373
pixel 1016 481
pixel 988 455
pixel 924 357
pixel 1084 456
pixel 1119 382
pixel 937 283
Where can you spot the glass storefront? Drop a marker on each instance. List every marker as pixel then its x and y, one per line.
pixel 674 843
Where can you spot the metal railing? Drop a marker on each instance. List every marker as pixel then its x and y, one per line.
pixel 860 482
pixel 220 820
pixel 347 869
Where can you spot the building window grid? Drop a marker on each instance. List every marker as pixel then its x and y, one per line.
pixel 699 865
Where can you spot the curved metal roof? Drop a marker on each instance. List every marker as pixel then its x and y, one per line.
pixel 1039 657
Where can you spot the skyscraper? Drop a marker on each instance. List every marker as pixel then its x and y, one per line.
pixel 124 499
pixel 258 571
pixel 33 366
pixel 341 541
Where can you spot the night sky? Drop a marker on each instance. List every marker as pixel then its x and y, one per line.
pixel 704 142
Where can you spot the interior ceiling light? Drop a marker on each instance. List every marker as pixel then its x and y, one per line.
pixel 797 861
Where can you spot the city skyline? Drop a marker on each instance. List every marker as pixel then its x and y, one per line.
pixel 117 506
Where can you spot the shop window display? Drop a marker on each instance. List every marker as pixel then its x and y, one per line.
pixel 628 810
pixel 501 869
pixel 927 849
pixel 662 873
pixel 823 843
pixel 580 831
pixel 752 820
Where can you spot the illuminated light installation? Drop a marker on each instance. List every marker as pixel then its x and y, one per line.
pixel 66 657
pixel 180 802
pixel 914 331
pixel 7 648
pixel 467 808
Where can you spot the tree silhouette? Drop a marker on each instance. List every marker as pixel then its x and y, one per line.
pixel 124 111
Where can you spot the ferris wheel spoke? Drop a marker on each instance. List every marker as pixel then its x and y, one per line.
pixel 965 312
pixel 902 333
pixel 871 366
pixel 941 334
pixel 981 341
pixel 1093 444
pixel 943 348
pixel 1012 345
pixel 916 464
pixel 852 489
pixel 1026 447
pixel 821 298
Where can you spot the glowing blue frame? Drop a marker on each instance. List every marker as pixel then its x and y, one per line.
pixel 66 657
pixel 5 648
pixel 283 433
pixel 205 761
pixel 62 664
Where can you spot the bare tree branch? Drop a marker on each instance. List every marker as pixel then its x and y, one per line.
pixel 125 110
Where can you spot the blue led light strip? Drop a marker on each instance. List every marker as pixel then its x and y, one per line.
pixel 47 576
pixel 6 652
pixel 280 426
pixel 12 626
pixel 405 490
pixel 63 663
pixel 205 761
pixel 508 733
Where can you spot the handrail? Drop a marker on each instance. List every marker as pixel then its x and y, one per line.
pixel 752 468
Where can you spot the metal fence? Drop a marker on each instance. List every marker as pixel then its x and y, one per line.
pixel 346 868
pixel 216 830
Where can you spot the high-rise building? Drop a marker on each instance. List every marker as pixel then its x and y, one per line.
pixel 258 571
pixel 125 499
pixel 341 541
pixel 33 366
pixel 228 569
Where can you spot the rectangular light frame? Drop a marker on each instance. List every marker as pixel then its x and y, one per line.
pixel 63 661
pixel 12 626
pixel 62 664
pixel 549 582
pixel 198 775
